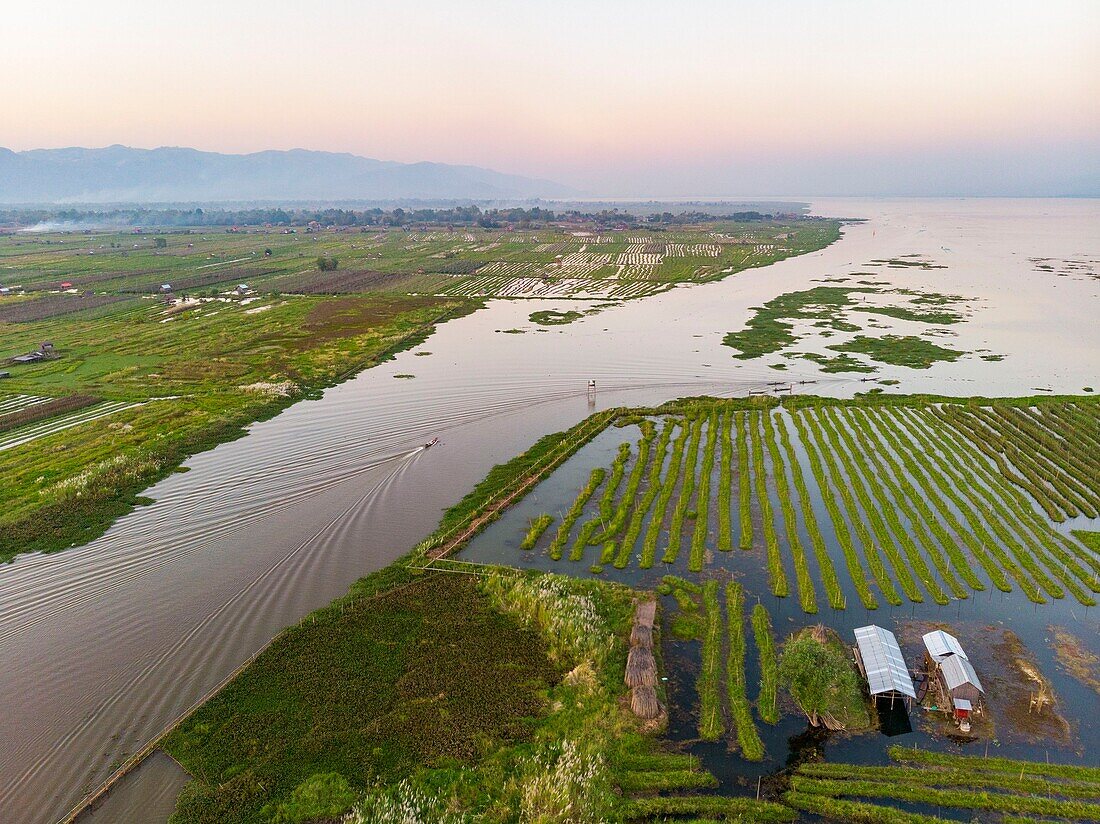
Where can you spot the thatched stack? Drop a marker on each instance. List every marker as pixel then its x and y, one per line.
pixel 645 614
pixel 641 636
pixel 644 703
pixel 641 666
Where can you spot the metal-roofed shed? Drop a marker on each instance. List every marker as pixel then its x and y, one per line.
pixel 940 644
pixel 882 664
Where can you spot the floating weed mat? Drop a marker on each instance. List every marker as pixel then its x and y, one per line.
pixel 882 500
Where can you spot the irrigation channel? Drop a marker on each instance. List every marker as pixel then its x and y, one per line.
pixel 106 645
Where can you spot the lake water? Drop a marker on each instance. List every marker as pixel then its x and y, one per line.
pixel 105 645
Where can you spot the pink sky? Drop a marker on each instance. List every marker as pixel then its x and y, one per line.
pixel 616 97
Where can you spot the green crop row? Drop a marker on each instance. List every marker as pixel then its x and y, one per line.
pixel 653 487
pixel 933 485
pixel 806 593
pixel 964 799
pixel 725 484
pixel 890 505
pixel 668 486
pixel 607 500
pixel 821 553
pixel 729 808
pixel 744 481
pixel 752 748
pixel 776 573
pixel 885 536
pixel 1073 772
pixel 955 777
pixel 702 509
pixel 595 478
pixel 841 484
pixel 861 812
pixel 840 527
pixel 1011 508
pixel 711 724
pixel 993 510
pixel 919 512
pixel 535 530
pixel 767 702
pixel 687 490
pixel 630 493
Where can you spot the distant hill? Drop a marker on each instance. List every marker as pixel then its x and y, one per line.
pixel 119 174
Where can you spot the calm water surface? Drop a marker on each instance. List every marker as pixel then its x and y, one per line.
pixel 104 645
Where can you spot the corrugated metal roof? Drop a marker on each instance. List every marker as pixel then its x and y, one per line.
pixel 958 671
pixel 883 662
pixel 940 644
pixel 963 704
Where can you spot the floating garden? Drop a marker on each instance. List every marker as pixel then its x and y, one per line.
pixel 694 663
pixel 844 502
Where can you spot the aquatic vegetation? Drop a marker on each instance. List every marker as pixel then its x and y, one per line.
pixel 711 723
pixel 767 702
pixel 857 811
pixel 858 482
pixel 552 317
pixel 806 593
pixel 595 478
pixel 813 439
pixel 534 532
pixel 664 497
pixel 929 758
pixel 1075 658
pixel 889 506
pixel 965 799
pixel 772 328
pixel 752 748
pixel 607 500
pixel 776 573
pixel 707 807
pixel 809 519
pixel 653 488
pixel 687 491
pixel 744 481
pixel 840 527
pixel 702 515
pixel 725 484
pixel 899 350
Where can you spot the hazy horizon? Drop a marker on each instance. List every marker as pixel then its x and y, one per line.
pixel 619 100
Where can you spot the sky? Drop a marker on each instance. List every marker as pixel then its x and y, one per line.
pixel 625 99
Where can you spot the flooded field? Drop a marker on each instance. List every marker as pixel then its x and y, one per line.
pixel 842 515
pixel 118 638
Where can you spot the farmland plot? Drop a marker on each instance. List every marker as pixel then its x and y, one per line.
pixel 865 503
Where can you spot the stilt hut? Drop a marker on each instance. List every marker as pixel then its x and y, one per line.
pixel 879 658
pixel 949 666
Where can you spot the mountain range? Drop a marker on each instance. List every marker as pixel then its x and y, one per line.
pixel 120 174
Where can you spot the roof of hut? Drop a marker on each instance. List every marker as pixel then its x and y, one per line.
pixel 940 644
pixel 958 671
pixel 882 662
